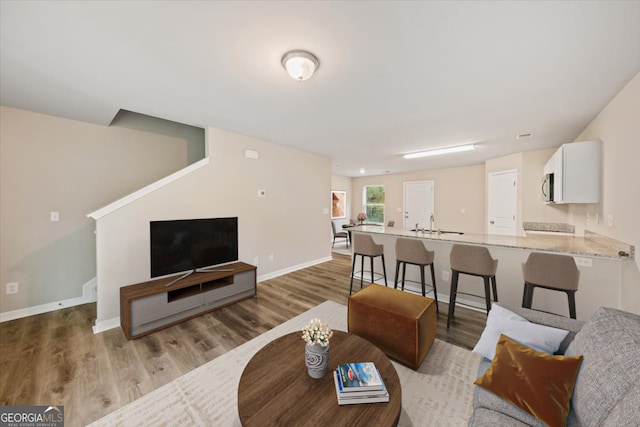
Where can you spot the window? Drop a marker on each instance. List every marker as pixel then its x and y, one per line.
pixel 373 203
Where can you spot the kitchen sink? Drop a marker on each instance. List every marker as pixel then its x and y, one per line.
pixel 437 231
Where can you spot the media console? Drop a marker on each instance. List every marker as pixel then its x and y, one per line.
pixel 149 306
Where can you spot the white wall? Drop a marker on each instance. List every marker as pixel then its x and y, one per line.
pixel 618 127
pixel 291 222
pixel 49 164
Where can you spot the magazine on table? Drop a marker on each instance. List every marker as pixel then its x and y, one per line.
pixel 354 398
pixel 359 376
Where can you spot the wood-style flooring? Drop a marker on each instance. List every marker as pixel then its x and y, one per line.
pixel 55 359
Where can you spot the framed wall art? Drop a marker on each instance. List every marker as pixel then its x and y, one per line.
pixel 338 204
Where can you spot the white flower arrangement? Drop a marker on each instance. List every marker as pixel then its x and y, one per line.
pixel 317 332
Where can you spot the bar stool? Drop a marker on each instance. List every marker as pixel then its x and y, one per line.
pixel 412 251
pixel 474 261
pixel 550 271
pixel 364 246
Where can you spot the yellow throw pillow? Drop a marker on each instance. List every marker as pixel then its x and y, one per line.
pixel 538 383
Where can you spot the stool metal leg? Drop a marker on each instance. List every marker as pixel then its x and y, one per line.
pixel 487 293
pixel 571 295
pixel 422 279
pixel 495 288
pixel 452 296
pixel 371 258
pixel 435 292
pixel 353 269
pixel 404 273
pixel 361 270
pixel 395 284
pixel 384 270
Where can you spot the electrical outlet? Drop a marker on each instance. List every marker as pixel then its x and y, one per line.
pixel 12 288
pixel 262 193
pixel 271 257
pixel 445 275
pixel 54 216
pixel 610 220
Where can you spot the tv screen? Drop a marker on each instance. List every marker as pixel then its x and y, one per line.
pixel 191 244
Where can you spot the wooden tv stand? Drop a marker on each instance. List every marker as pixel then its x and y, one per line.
pixel 149 306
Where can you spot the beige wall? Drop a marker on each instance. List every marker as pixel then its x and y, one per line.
pixel 53 164
pixel 618 127
pixel 454 189
pixel 291 222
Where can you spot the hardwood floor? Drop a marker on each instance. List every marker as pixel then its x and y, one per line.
pixel 55 359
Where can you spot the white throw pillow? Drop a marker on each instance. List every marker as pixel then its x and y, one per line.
pixel 502 321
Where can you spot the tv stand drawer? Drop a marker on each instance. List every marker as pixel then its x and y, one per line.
pixel 150 306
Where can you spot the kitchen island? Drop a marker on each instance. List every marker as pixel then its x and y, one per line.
pixel 603 263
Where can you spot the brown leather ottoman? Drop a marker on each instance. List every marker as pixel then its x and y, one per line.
pixel 401 324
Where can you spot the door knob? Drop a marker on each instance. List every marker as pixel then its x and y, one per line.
pixel 491 222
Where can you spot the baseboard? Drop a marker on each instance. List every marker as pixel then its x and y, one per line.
pixel 105 325
pixel 278 273
pixel 112 323
pixel 88 295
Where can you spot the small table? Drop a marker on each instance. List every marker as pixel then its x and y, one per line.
pixel 275 388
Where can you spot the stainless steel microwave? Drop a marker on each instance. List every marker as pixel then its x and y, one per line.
pixel 547 188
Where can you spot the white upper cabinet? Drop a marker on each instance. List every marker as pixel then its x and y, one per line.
pixel 576 169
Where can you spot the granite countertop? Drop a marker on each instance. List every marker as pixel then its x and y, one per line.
pixel 590 245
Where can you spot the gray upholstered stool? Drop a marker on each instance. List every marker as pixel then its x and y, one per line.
pixel 364 246
pixel 412 251
pixel 550 271
pixel 475 261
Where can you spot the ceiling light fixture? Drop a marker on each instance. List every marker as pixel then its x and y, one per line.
pixel 439 151
pixel 300 64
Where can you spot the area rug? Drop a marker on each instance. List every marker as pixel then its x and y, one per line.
pixel 440 393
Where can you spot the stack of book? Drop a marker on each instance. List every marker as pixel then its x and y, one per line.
pixel 359 383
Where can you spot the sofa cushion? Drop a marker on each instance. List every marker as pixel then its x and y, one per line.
pixel 610 344
pixel 502 321
pixel 483 417
pixel 536 382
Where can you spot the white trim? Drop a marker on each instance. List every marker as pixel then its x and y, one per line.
pixel 274 274
pixel 148 189
pixel 105 325
pixel 88 295
pixel 115 321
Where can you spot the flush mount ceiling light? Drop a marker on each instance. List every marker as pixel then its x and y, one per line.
pixel 439 151
pixel 300 64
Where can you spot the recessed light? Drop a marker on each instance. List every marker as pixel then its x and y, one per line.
pixel 362 171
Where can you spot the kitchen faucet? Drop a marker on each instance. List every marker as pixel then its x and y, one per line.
pixel 431 221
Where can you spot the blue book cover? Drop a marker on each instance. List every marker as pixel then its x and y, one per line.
pixel 358 397
pixel 359 376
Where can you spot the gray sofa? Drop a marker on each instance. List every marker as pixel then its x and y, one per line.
pixel 607 389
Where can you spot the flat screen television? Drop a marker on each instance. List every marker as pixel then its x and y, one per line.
pixel 192 244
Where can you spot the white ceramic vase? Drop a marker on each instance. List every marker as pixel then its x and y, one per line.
pixel 316 358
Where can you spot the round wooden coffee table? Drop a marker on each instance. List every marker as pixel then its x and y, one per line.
pixel 275 388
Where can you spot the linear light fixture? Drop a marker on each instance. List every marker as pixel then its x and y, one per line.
pixel 439 151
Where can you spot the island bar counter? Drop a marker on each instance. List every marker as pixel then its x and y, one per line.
pixel 603 264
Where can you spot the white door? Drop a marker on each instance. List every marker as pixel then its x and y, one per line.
pixel 418 204
pixel 503 202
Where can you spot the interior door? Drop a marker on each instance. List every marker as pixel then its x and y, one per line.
pixel 418 203
pixel 503 202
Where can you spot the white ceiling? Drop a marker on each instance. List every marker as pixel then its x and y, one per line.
pixel 394 77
